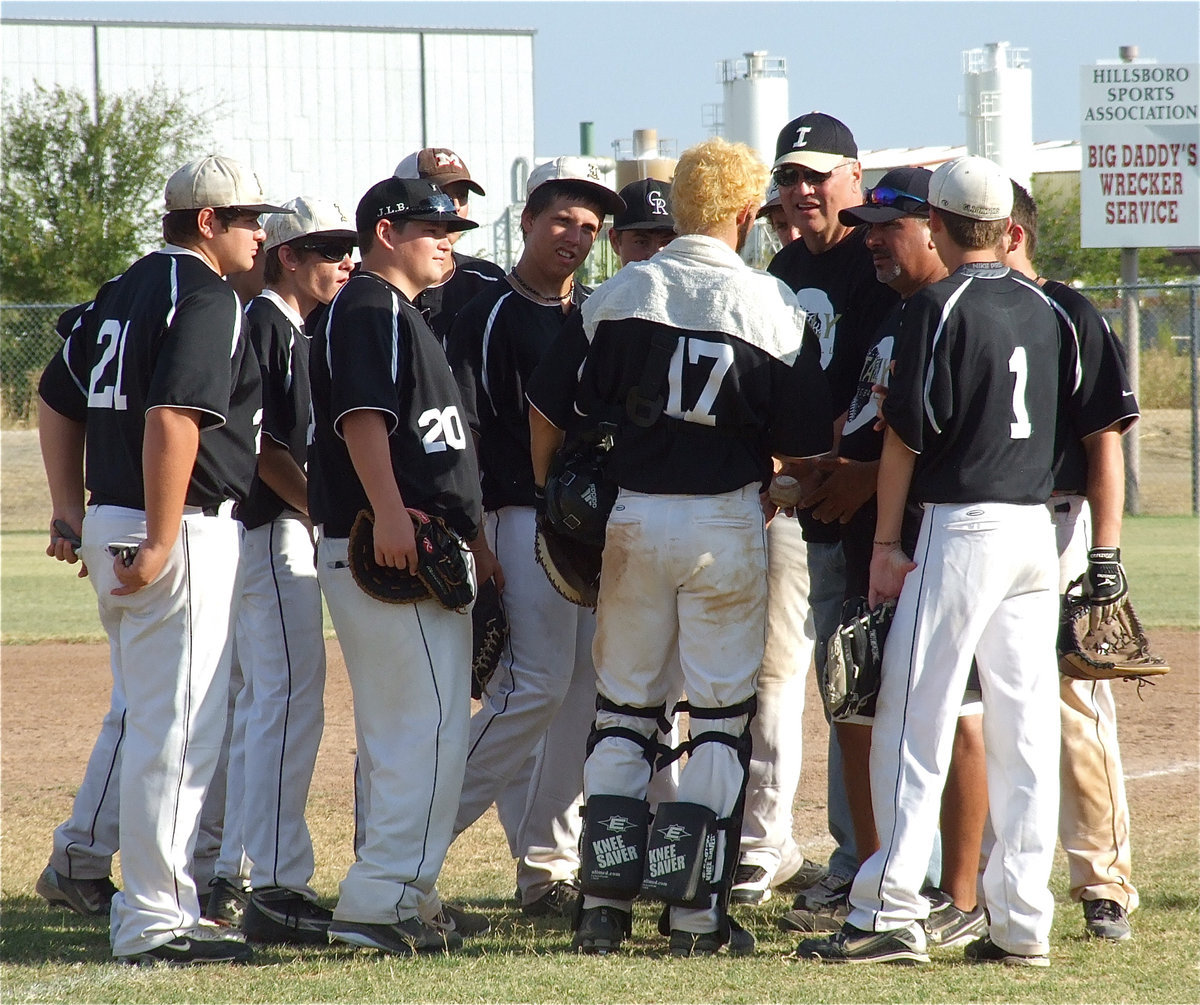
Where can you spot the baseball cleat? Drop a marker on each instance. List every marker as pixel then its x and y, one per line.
pixel 276 914
pixel 226 902
pixel 464 923
pixel 1106 919
pixel 560 901
pixel 206 943
pixel 830 889
pixel 89 897
pixel 806 875
pixel 741 942
pixel 986 951
pixel 853 945
pixel 950 926
pixel 404 938
pixel 601 930
pixel 751 885
pixel 828 919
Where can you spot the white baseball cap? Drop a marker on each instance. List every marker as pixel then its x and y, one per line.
pixel 581 171
pixel 974 187
pixel 303 217
pixel 218 182
pixel 770 201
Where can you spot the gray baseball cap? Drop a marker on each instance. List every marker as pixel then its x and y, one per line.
pixel 217 182
pixel 974 187
pixel 305 217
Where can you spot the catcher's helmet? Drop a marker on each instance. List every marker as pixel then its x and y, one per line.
pixel 578 498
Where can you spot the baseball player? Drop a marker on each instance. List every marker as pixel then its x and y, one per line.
pixel 389 433
pixel 896 212
pixel 1089 495
pixel 971 411
pixel 818 174
pixel 772 210
pixel 697 359
pixel 646 224
pixel 158 389
pixel 464 276
pixel 280 645
pixel 494 346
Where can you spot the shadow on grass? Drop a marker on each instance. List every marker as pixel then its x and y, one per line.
pixel 34 932
pixel 1169 900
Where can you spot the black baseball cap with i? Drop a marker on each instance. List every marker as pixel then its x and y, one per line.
pixel 407 199
pixel 817 141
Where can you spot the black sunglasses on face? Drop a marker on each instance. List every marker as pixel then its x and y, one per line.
pixel 792 174
pixel 331 251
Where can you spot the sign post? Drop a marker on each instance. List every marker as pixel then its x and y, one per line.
pixel 1139 185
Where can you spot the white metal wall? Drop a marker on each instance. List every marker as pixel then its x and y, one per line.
pixel 324 112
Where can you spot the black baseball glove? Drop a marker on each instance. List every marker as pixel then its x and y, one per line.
pixel 1103 641
pixel 489 634
pixel 571 565
pixel 442 570
pixel 854 659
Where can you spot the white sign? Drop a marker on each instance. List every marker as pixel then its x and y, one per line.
pixel 1139 184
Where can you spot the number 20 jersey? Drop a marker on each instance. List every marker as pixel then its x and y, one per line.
pixel 165 333
pixel 371 349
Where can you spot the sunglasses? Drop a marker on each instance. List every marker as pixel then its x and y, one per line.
pixel 331 251
pixel 437 203
pixel 788 175
pixel 882 195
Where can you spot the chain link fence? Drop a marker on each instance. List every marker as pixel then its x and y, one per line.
pixel 1169 321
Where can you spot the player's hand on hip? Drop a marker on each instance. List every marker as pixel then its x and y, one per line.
pixel 145 568
pixel 395 541
pixel 889 567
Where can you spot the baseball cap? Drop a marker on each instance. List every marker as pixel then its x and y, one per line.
pixel 772 199
pixel 974 187
pixel 901 192
pixel 816 141
pixel 408 199
pixel 647 206
pixel 217 182
pixel 305 217
pixel 438 164
pixel 581 171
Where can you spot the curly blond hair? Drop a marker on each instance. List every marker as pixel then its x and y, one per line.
pixel 713 181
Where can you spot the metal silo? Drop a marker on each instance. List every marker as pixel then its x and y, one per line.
pixel 755 100
pixel 998 104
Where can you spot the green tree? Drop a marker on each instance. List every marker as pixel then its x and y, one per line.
pixel 81 187
pixel 1059 255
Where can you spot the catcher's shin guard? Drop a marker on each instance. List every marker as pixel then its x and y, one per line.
pixel 615 828
pixel 693 869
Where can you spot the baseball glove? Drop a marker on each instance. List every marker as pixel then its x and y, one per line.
pixel 571 565
pixel 850 682
pixel 442 571
pixel 1103 642
pixel 489 633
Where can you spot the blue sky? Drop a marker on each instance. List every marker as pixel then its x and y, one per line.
pixel 892 71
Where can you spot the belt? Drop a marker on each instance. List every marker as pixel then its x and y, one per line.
pixel 221 509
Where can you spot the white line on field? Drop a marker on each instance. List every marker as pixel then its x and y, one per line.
pixel 1175 769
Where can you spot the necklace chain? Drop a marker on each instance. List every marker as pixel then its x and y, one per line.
pixel 533 294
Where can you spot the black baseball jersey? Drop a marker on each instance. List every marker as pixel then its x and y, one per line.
pixel 845 304
pixel 495 344
pixel 977 387
pixel 276 332
pixel 371 349
pixel 733 393
pixel 167 332
pixel 439 305
pixel 1105 396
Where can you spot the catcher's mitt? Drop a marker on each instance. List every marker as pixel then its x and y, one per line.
pixel 571 565
pixel 850 682
pixel 1105 643
pixel 489 633
pixel 442 570
pixel 579 495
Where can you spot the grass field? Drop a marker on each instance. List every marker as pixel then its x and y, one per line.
pixel 1161 554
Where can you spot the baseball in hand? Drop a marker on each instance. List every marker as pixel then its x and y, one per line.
pixel 784 491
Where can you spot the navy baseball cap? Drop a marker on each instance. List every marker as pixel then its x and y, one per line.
pixel 647 206
pixel 407 199
pixel 901 192
pixel 817 141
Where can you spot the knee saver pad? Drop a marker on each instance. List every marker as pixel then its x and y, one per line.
pixel 612 846
pixel 681 855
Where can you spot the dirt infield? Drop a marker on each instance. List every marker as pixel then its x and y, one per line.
pixel 54 696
